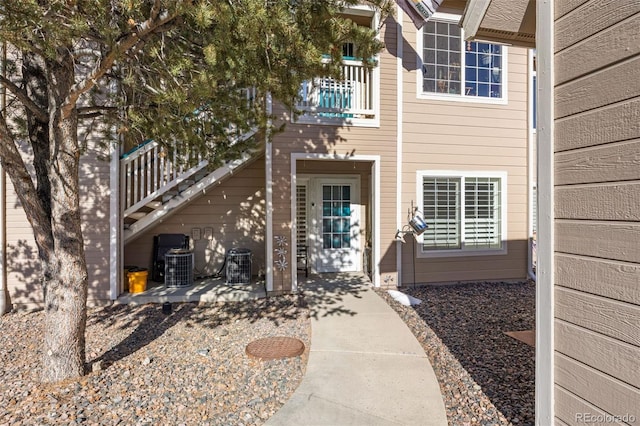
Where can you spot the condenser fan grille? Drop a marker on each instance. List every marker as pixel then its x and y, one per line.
pixel 178 270
pixel 238 266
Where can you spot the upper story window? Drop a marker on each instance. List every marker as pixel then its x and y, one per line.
pixel 455 68
pixel 349 51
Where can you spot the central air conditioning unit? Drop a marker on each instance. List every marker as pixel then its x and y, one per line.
pixel 178 268
pixel 238 266
pixel 161 245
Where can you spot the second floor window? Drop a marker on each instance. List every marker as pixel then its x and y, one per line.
pixel 454 67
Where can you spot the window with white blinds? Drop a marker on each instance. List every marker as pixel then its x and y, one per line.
pixel 482 213
pixel 463 212
pixel 442 213
pixel 301 215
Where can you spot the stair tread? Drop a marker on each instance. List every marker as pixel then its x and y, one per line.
pixel 154 204
pixel 137 215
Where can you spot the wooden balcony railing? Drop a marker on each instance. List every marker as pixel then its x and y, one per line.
pixel 351 97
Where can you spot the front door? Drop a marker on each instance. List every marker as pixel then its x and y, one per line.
pixel 337 225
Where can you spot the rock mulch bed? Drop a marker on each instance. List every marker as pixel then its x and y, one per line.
pixel 486 377
pixel 148 368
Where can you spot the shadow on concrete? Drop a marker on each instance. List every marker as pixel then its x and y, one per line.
pixel 327 293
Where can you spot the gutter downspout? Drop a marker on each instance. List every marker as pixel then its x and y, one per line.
pixel 4 296
pixel 268 158
pixel 531 141
pixel 115 225
pixel 5 306
pixel 399 129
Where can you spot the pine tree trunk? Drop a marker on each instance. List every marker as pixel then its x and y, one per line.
pixel 65 275
pixel 65 319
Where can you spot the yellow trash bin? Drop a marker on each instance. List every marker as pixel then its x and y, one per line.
pixel 137 280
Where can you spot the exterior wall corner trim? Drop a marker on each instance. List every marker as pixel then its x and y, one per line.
pixel 544 377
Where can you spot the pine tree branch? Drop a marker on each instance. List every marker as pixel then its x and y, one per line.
pixel 21 95
pixel 158 18
pixel 16 169
pixel 94 111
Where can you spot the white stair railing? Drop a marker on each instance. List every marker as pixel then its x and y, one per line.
pixel 151 171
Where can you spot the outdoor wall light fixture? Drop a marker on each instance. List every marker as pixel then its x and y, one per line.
pixel 416 226
pixel 400 235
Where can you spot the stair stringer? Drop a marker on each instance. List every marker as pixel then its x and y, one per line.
pixel 183 198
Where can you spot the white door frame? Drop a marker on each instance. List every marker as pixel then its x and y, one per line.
pixel 375 161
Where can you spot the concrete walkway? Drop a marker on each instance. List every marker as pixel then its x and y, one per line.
pixel 365 367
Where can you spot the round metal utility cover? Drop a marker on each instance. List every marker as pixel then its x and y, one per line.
pixel 275 347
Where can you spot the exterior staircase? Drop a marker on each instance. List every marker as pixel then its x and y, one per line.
pixel 154 184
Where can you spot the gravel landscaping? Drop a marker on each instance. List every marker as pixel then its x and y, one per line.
pixel 148 368
pixel 486 377
pixel 190 367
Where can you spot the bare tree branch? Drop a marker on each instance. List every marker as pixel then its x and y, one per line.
pixel 96 108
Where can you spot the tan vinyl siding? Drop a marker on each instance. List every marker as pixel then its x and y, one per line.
pixel 343 141
pixel 598 16
pixel 94 202
pixel 606 163
pixel 234 209
pixel 563 7
pixel 23 269
pixel 22 254
pixel 597 224
pixel 442 135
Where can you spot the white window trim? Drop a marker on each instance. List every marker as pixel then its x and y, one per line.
pixel 532 75
pixel 502 175
pixel 420 94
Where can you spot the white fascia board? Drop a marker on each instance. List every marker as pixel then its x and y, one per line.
pixel 472 17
